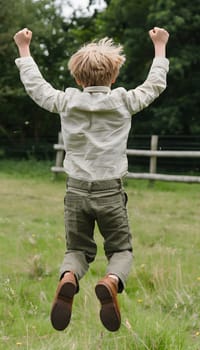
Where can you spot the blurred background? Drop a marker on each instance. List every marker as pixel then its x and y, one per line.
pixel 60 28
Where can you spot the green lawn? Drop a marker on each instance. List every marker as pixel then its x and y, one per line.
pixel 160 307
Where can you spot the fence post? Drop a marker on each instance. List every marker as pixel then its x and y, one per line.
pixel 153 159
pixel 59 153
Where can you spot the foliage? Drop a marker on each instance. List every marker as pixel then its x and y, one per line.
pixel 55 38
pixel 181 104
pixel 19 116
pixel 177 110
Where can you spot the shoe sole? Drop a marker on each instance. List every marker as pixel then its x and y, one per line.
pixel 62 307
pixel 109 314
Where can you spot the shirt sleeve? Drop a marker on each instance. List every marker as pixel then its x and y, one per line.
pixel 38 88
pixel 154 85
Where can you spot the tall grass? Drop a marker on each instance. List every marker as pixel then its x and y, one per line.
pixel 160 306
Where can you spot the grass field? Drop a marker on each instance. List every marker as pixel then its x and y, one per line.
pixel 161 305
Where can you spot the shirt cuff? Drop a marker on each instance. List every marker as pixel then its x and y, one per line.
pixel 162 62
pixel 21 60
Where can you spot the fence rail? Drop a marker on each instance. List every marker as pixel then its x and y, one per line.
pixel 153 154
pixel 176 154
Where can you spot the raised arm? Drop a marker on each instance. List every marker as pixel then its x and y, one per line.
pixel 35 85
pixel 156 81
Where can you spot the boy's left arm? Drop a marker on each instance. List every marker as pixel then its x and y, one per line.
pixel 35 85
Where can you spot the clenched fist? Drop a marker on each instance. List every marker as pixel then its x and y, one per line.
pixel 22 40
pixel 23 37
pixel 159 35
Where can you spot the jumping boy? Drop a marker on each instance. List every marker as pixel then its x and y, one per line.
pixel 95 122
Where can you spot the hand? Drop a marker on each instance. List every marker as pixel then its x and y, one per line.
pixel 23 38
pixel 159 36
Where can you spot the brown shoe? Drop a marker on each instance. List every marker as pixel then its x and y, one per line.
pixel 106 291
pixel 62 305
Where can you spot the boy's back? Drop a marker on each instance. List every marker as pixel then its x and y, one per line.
pixel 95 122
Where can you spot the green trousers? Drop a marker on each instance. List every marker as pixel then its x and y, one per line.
pixel 104 203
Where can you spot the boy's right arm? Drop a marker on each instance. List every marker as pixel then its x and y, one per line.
pixel 155 83
pixel 35 85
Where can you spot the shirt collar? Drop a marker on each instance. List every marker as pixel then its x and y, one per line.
pixel 104 89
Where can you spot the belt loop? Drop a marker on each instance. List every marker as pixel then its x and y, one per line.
pixel 89 186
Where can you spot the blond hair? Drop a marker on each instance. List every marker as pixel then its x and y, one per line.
pixel 97 63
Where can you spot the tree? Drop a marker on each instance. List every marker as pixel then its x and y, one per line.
pixel 55 38
pixel 177 110
pixel 21 119
pixel 181 104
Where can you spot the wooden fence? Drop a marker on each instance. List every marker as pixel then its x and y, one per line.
pixel 153 154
